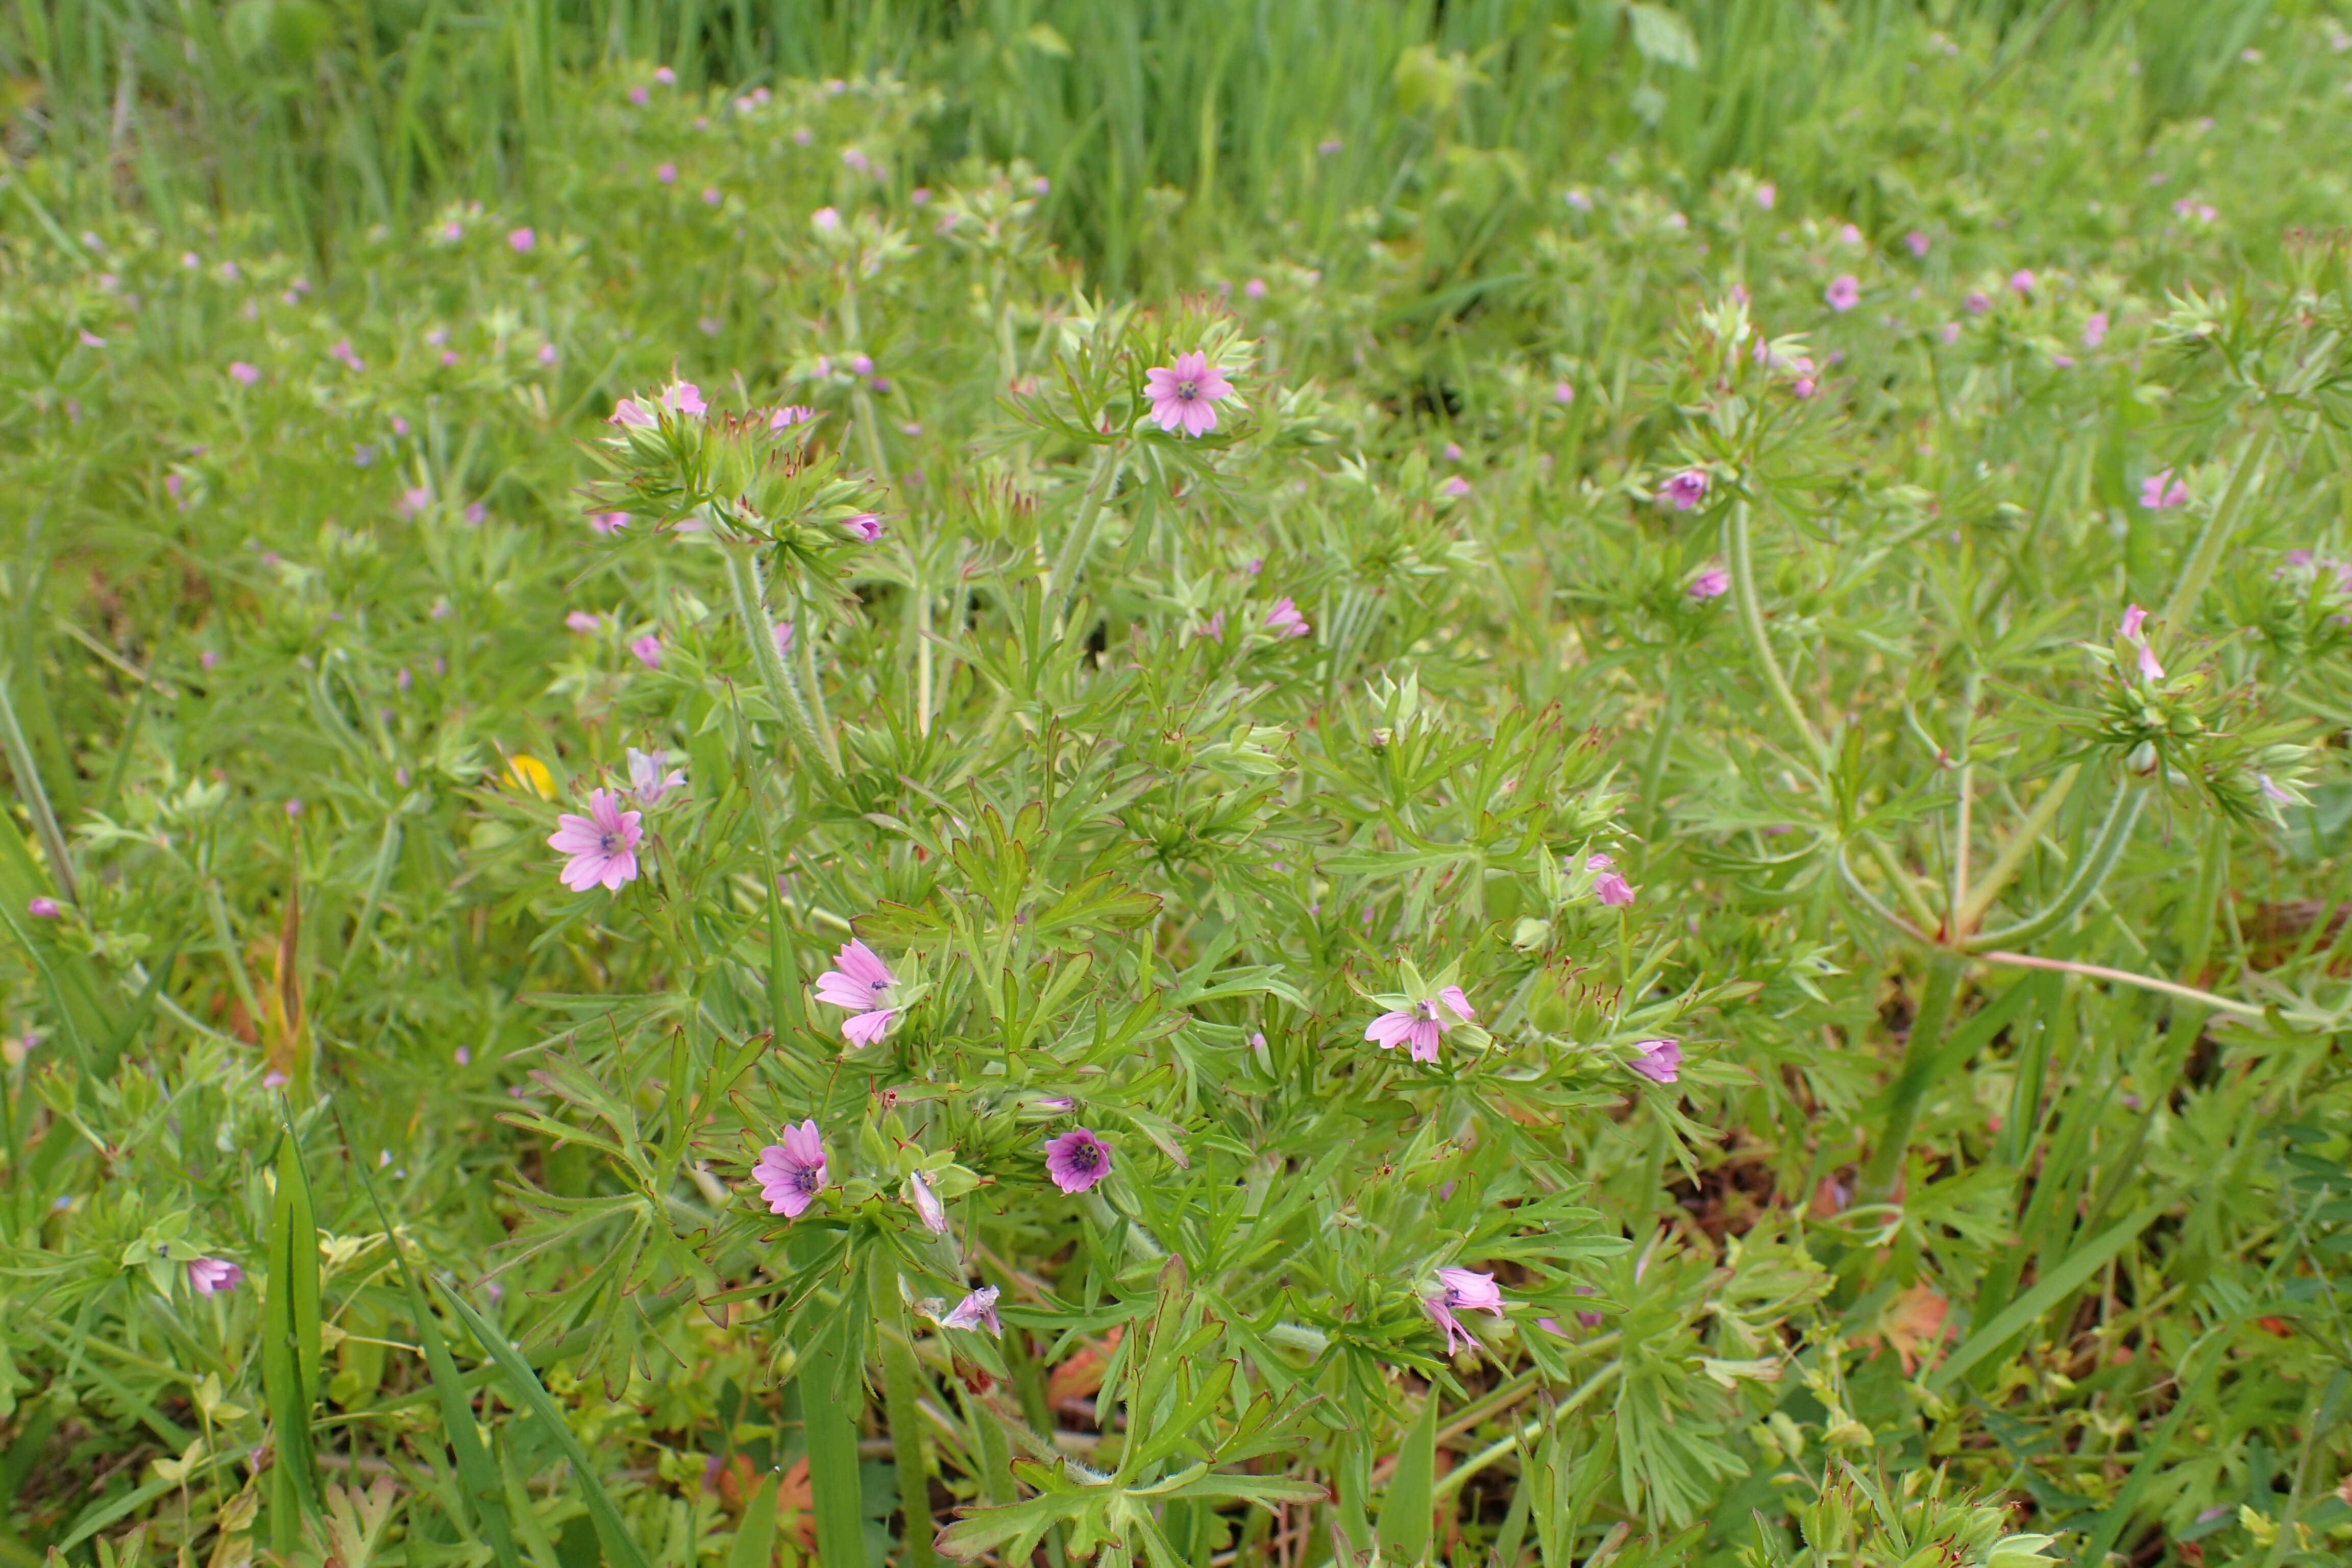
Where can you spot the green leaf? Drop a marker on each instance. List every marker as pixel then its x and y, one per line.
pixel 1404 1522
pixel 290 1345
pixel 2059 1283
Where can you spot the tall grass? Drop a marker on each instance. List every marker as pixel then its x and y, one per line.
pixel 332 116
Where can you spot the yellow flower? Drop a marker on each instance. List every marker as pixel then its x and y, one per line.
pixel 530 773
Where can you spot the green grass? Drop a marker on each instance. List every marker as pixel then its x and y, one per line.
pixel 1997 1210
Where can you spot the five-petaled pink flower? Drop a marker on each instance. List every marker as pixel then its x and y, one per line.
pixel 648 650
pixel 1685 490
pixel 42 908
pixel 602 845
pixel 2160 490
pixel 1607 886
pixel 2134 617
pixel 791 1174
pixel 975 1311
pixel 1463 1290
pixel 1659 1062
pixel 243 373
pixel 209 1275
pixel 1844 292
pixel 1421 1025
pixel 1078 1160
pixel 1284 621
pixel 647 780
pixel 1711 583
pixel 1185 398
pixel 862 983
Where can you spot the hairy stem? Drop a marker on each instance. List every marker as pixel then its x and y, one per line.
pixel 2206 555
pixel 2125 977
pixel 1759 646
pixel 743 582
pixel 2013 853
pixel 2115 832
pixel 1062 584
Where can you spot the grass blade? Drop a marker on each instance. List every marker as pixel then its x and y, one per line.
pixel 290 1345
pixel 2059 1283
pixel 830 1416
pixel 1404 1522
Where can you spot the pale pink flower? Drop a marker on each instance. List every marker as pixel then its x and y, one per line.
pixel 1421 1026
pixel 926 1203
pixel 665 76
pixel 1766 194
pixel 632 414
pixel 862 983
pixel 1917 242
pixel 1710 583
pixel 1563 393
pixel 666 173
pixel 2133 618
pixel 1284 620
pixel 1608 886
pixel 2094 330
pixel 581 621
pixel 1685 490
pixel 1185 398
pixel 710 197
pixel 1254 288
pixel 783 632
pixel 522 239
pixel 1849 236
pixel 648 650
pixel 2160 490
pixel 975 1311
pixel 648 782
pixel 828 219
pixel 1659 1062
pixel 2271 792
pixel 90 340
pixel 2021 282
pixel 791 1174
pixel 861 364
pixel 210 1276
pixel 1213 628
pixel 1443 1316
pixel 683 397
pixel 1078 1160
pixel 602 845
pixel 1844 291
pixel 608 521
pixel 866 525
pixel 639 96
pixel 1467 1290
pixel 243 373
pixel 790 414
pixel 1456 487
pixel 42 907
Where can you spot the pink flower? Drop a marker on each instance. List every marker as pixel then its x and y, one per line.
pixel 861 983
pixel 1185 398
pixel 1659 1062
pixel 665 76
pixel 42 908
pixel 1844 292
pixel 1685 490
pixel 1254 288
pixel 1949 331
pixel 791 1174
pixel 2271 792
pixel 1766 194
pixel 1457 487
pixel 2160 490
pixel 790 414
pixel 1917 242
pixel 602 845
pixel 1849 236
pixel 2134 617
pixel 783 632
pixel 977 1311
pixel 1612 889
pixel 90 340
pixel 828 219
pixel 1421 1025
pixel 632 414
pixel 683 397
pixel 210 1276
pixel 648 650
pixel 2094 330
pixel 861 364
pixel 639 96
pixel 926 1203
pixel 522 239
pixel 1213 628
pixel 2021 282
pixel 1443 1316
pixel 710 197
pixel 1284 620
pixel 1078 1160
pixel 647 782
pixel 920 195
pixel 1976 303
pixel 243 373
pixel 666 173
pixel 1711 583
pixel 608 521
pixel 866 525
pixel 1563 393
pixel 581 621
pixel 1469 1291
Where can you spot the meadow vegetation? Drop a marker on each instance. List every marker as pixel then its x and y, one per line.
pixel 1176 783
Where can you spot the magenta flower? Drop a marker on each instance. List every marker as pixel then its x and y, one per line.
pixel 243 373
pixel 2134 617
pixel 648 650
pixel 1078 1160
pixel 647 782
pixel 791 1174
pixel 1917 242
pixel 1659 1062
pixel 2094 330
pixel 1607 886
pixel 866 525
pixel 926 1203
pixel 861 983
pixel 1284 621
pixel 581 621
pixel 522 239
pixel 1185 398
pixel 1685 490
pixel 1844 292
pixel 2160 490
pixel 1711 583
pixel 602 845
pixel 210 1276
pixel 1421 1025
pixel 792 413
pixel 42 908
pixel 975 1311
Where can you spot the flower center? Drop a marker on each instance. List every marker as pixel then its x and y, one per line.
pixel 805 1179
pixel 610 843
pixel 1425 1010
pixel 1084 1157
pixel 1186 390
pixel 880 987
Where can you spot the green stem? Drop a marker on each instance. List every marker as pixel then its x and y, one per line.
pixel 830 1424
pixel 2216 537
pixel 902 1385
pixel 2013 853
pixel 2115 832
pixel 1911 1079
pixel 1759 646
pixel 743 582
pixel 1062 584
pixel 36 797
